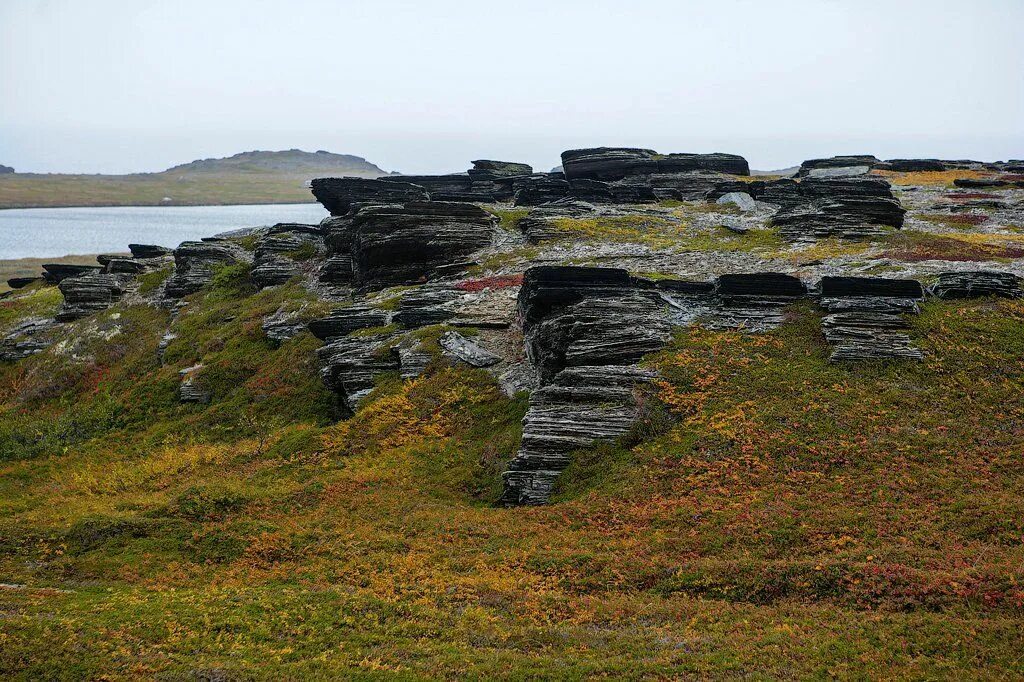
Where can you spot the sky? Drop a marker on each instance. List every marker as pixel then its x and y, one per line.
pixel 426 86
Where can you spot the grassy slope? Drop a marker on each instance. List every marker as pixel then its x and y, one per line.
pixel 774 516
pixel 247 178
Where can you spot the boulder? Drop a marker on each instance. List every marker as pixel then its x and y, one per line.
pixel 339 195
pixel 956 285
pixel 741 200
pixel 406 244
pixel 458 347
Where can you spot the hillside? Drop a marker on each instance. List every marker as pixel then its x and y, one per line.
pixel 258 177
pixel 652 419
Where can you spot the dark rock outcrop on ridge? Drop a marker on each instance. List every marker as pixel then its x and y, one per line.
pixel 338 238
pixel 853 207
pixel 22 282
pixel 459 187
pixel 956 285
pixel 54 273
pixel 339 195
pixel 149 251
pixel 619 163
pixel 488 169
pixel 405 244
pixel 693 185
pixel 866 317
pixel 987 183
pixel 753 301
pixel 622 192
pixel 89 293
pixel 850 161
pixel 194 264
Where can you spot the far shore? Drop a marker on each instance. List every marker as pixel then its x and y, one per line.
pixel 161 205
pixel 33 267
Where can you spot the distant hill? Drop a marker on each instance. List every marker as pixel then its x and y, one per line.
pixel 256 177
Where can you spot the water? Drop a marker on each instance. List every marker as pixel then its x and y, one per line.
pixel 51 232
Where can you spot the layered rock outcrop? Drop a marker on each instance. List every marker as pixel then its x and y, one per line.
pixel 977 284
pixel 278 252
pixel 849 207
pixel 866 317
pixel 341 195
pixel 194 265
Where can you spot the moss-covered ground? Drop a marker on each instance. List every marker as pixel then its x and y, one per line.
pixel 772 516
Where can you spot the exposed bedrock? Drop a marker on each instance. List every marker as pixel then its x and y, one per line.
pixel 149 251
pixel 194 264
pixel 693 185
pixel 854 207
pixel 351 364
pixel 549 288
pixel 955 285
pixel 534 190
pixel 460 187
pixel 987 183
pixel 540 224
pixel 618 163
pixel 866 317
pixel 406 244
pixel 89 293
pixel 849 161
pixel 580 406
pixel 28 337
pixel 276 253
pixel 489 169
pixel 344 321
pixel 338 238
pixel 340 195
pixel 22 282
pixel 753 301
pixel 621 192
pixel 427 305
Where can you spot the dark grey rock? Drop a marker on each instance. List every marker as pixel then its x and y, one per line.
pixel 608 163
pixel 28 337
pixel 540 224
pixel 427 305
pixel 715 162
pixel 338 195
pixel 351 364
pixel 89 293
pixel 22 282
pixel 273 262
pixel 687 186
pixel 194 264
pixel 834 287
pixel 620 192
pixel 534 190
pixel 837 162
pixel 957 285
pixel 741 200
pixel 410 243
pixel 54 273
pixel 344 321
pixel 489 169
pixel 149 251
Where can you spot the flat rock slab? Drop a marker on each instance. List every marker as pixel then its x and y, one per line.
pixel 457 346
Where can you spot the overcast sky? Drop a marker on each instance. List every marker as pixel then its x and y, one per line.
pixel 426 86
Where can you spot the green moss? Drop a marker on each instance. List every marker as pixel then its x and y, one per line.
pixel 150 281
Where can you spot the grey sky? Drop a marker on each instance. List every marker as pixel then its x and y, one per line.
pixel 426 86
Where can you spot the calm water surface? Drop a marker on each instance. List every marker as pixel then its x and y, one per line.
pixel 48 232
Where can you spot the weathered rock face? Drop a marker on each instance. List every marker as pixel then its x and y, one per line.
pixel 26 338
pixel 458 347
pixel 584 329
pixel 837 162
pixel 622 192
pixel 459 187
pixel 54 273
pixel 282 326
pixel 488 169
pixel 276 252
pixel 534 190
pixel 339 195
pixel 188 389
pixel 689 186
pixel 955 285
pixel 618 163
pixel 194 264
pixel 853 207
pixel 344 321
pixel 985 183
pixel 427 305
pixel 338 238
pixel 753 301
pixel 406 244
pixel 90 293
pixel 866 317
pixel 913 165
pixel 581 406
pixel 715 162
pixel 351 364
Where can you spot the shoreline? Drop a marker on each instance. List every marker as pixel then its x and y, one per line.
pixel 175 205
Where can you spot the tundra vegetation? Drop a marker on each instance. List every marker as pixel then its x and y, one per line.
pixel 771 514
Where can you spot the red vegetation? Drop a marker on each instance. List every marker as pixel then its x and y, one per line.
pixel 970 218
pixel 965 196
pixel 496 282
